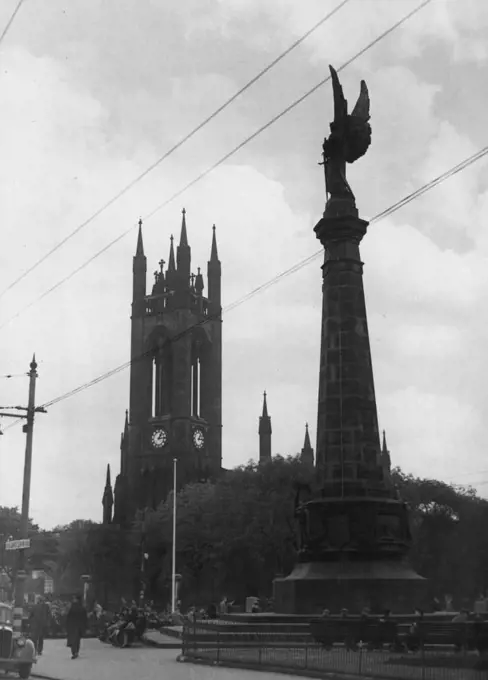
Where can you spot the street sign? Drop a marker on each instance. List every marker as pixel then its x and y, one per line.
pixel 22 544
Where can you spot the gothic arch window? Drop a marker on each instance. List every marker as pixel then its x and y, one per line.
pixel 162 380
pixel 196 383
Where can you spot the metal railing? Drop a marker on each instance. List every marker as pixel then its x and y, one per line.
pixel 290 647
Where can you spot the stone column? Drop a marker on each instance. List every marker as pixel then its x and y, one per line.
pixel 348 443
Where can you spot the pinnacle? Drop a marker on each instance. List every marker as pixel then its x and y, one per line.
pixel 214 257
pixel 140 245
pixel 171 262
pixel 183 235
pixel 265 406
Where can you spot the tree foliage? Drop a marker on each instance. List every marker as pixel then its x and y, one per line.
pixel 235 535
pixel 450 542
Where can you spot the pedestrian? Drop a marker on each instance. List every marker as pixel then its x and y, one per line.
pixel 38 624
pixel 98 609
pixel 76 622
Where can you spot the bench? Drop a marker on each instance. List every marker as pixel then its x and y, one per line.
pixel 446 633
pixel 374 632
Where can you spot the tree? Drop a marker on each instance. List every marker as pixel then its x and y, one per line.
pixel 233 536
pixel 113 562
pixel 73 558
pixel 450 547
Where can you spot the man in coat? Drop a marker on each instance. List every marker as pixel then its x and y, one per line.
pixel 76 622
pixel 38 624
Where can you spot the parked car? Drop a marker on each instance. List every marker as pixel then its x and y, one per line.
pixel 17 652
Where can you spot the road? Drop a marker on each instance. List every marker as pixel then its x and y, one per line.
pixel 98 661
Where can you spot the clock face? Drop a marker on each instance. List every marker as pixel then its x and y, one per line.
pixel 198 439
pixel 159 438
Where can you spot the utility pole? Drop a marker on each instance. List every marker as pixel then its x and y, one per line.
pixel 24 519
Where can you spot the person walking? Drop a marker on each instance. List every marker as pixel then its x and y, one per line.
pixel 38 624
pixel 76 622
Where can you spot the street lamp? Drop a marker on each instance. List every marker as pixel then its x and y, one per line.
pixel 144 557
pixel 173 570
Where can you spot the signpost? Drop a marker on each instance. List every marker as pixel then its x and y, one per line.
pixel 22 544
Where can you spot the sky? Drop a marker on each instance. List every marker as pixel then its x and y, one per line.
pixel 93 92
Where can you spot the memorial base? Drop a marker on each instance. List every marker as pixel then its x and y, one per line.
pixel 315 586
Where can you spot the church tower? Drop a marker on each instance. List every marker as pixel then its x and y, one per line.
pixel 175 406
pixel 265 434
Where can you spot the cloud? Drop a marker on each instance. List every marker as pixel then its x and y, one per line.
pixel 430 431
pixel 420 272
pixel 91 98
pixel 439 343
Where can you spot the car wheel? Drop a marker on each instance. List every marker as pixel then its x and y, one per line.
pixel 25 671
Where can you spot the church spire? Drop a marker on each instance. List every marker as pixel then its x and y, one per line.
pixel 214 274
pixel 183 256
pixel 171 262
pixel 265 432
pixel 140 245
pixel 139 270
pixel 385 458
pixel 108 499
pixel 306 455
pixel 171 272
pixel 265 406
pixel 126 424
pixel 183 235
pixel 214 256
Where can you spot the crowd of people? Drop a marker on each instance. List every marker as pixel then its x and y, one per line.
pixel 54 618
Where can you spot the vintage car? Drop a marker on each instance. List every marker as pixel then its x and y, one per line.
pixel 17 653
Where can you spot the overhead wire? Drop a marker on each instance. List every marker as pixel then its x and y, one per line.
pixel 10 21
pixel 217 164
pixel 287 272
pixel 296 267
pixel 174 148
pixel 393 208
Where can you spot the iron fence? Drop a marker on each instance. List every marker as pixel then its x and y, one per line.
pixel 291 647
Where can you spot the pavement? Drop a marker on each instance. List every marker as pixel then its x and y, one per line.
pixel 168 640
pixel 98 661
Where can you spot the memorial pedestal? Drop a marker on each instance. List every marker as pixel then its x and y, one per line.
pixel 313 587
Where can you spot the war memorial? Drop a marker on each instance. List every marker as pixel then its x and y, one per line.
pixel 354 527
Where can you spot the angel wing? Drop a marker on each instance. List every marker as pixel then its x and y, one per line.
pixel 361 110
pixel 340 103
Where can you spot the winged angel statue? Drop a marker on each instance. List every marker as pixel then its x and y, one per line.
pixel 349 140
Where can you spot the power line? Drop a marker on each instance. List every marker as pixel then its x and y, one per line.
pixel 174 148
pixel 11 425
pixel 125 365
pixel 393 208
pixel 10 21
pixel 214 166
pixel 291 270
